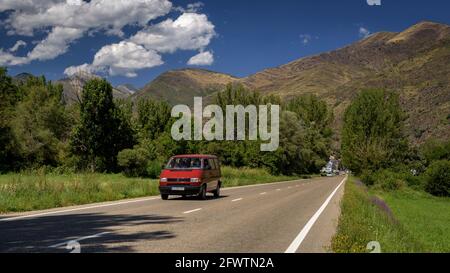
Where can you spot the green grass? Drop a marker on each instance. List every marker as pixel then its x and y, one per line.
pixel 26 192
pixel 37 190
pixel 362 221
pixel 232 177
pixel 425 217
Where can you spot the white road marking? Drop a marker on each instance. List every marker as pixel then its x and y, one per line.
pixel 236 200
pixel 302 235
pixel 191 211
pixel 75 209
pixel 263 193
pixel 278 189
pixel 80 239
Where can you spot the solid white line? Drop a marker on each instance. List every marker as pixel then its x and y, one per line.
pixel 75 209
pixel 236 200
pixel 80 239
pixel 302 235
pixel 191 211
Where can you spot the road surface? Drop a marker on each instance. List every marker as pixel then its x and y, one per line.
pixel 297 216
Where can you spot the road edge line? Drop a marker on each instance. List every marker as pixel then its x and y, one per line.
pixel 295 245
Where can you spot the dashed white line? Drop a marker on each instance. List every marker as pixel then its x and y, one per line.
pixel 191 211
pixel 263 193
pixel 304 232
pixel 278 189
pixel 237 200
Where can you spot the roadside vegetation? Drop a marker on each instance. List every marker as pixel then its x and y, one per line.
pixel 402 196
pixel 37 190
pixel 102 149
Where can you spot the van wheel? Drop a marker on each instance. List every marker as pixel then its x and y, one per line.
pixel 217 191
pixel 164 196
pixel 202 195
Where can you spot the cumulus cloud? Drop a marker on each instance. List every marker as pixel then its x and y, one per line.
pixel 190 31
pixel 56 43
pixel 203 58
pixel 123 58
pixel 66 21
pixel 72 19
pixel 364 32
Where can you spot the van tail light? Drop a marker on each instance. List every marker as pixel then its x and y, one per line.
pixel 164 180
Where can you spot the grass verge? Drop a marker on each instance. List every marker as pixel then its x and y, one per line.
pixel 37 191
pixel 425 217
pixel 365 219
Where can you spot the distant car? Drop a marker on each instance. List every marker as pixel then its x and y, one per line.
pixel 188 175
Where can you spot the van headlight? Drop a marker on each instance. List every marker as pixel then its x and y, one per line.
pixel 163 180
pixel 196 180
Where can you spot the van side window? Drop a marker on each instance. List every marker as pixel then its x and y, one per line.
pixel 216 161
pixel 206 164
pixel 213 164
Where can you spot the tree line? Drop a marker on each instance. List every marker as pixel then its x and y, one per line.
pixel 102 134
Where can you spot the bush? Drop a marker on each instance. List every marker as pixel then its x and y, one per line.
pixel 133 162
pixel 437 178
pixel 154 169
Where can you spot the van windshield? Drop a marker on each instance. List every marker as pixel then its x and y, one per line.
pixel 184 163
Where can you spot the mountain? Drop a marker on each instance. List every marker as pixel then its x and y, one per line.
pixel 73 87
pixel 127 89
pixel 415 63
pixel 181 86
pixel 22 77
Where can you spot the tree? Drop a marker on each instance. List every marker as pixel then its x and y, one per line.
pixel 372 136
pixel 103 130
pixel 41 124
pixel 312 111
pixel 8 99
pixel 153 118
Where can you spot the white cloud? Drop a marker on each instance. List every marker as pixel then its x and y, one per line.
pixel 190 31
pixel 123 58
pixel 72 19
pixel 7 59
pixel 364 32
pixel 192 8
pixel 66 21
pixel 203 58
pixel 96 14
pixel 17 45
pixel 56 43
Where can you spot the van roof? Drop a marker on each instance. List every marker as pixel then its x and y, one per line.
pixel 195 156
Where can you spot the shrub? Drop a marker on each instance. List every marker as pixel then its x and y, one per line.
pixel 387 180
pixel 133 162
pixel 154 169
pixel 437 178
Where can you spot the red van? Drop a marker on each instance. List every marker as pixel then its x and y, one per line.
pixel 187 175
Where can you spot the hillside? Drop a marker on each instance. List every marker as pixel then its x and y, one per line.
pixel 181 86
pixel 415 63
pixel 73 87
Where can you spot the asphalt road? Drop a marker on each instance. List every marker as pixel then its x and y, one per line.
pixel 297 216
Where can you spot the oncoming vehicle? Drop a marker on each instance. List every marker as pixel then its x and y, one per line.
pixel 187 175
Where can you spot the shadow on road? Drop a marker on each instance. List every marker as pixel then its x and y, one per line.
pixel 37 235
pixel 196 198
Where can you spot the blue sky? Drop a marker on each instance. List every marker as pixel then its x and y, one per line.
pixel 243 37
